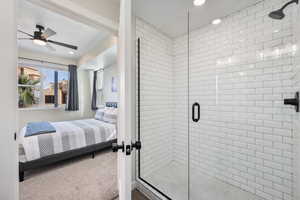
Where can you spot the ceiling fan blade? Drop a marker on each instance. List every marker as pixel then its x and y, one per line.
pixel 63 44
pixel 25 33
pixel 51 48
pixel 25 39
pixel 48 33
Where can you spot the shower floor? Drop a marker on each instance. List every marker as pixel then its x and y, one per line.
pixel 172 181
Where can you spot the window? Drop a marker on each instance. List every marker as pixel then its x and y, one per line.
pixel 41 87
pixel 99 88
pixel 63 85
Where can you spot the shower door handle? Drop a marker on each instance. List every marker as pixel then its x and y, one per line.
pixel 294 102
pixel 196 112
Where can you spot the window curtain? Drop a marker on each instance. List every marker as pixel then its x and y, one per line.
pixel 56 89
pixel 94 95
pixel 73 100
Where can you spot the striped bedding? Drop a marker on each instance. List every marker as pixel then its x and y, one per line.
pixel 69 135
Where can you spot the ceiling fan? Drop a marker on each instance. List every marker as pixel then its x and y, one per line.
pixel 40 37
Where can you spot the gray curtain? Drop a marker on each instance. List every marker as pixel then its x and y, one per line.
pixel 73 100
pixel 94 95
pixel 56 89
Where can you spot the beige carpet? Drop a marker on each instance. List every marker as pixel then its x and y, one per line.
pixel 78 179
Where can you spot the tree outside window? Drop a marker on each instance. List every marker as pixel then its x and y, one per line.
pixel 37 87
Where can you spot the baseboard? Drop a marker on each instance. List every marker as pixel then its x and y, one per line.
pixel 133 185
pixel 148 192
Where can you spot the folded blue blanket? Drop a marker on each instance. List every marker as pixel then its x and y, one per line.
pixel 37 128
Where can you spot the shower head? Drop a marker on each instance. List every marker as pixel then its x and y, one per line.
pixel 279 14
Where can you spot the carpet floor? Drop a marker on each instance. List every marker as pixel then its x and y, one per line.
pixel 82 178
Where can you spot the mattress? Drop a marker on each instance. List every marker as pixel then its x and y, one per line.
pixel 69 135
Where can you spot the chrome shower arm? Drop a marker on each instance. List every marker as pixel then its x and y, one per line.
pixel 288 3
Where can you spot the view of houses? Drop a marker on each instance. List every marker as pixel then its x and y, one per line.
pixel 36 87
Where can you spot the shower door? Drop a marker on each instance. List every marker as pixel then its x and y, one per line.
pixel 162 102
pixel 240 71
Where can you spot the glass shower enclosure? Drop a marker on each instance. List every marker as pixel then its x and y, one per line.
pixel 211 86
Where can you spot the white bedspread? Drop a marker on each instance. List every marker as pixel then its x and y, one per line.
pixel 69 135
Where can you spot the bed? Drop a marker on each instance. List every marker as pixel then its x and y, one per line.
pixel 71 139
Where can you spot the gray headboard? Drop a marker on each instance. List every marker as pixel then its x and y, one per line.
pixel 111 104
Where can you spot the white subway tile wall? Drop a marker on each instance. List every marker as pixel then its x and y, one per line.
pixel 240 72
pixel 156 98
pixel 296 119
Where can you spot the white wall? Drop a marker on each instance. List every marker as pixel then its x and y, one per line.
pixel 8 102
pixel 109 72
pixel 45 57
pixel 105 44
pixel 26 116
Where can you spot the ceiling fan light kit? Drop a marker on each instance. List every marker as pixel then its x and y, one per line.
pixel 39 42
pixel 40 37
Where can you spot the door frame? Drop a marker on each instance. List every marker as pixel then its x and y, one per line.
pixel 126 112
pixel 8 117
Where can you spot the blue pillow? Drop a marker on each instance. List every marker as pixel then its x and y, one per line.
pixel 37 128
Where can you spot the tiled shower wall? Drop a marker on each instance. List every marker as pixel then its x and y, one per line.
pixel 296 123
pixel 156 98
pixel 240 72
pixel 296 120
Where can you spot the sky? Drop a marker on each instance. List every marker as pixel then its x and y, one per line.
pixel 49 76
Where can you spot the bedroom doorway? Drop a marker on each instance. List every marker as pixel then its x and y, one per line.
pixel 68 96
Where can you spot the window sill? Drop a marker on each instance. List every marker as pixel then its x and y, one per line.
pixel 42 108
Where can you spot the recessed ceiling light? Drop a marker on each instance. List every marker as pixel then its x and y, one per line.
pixel 216 21
pixel 71 52
pixel 199 2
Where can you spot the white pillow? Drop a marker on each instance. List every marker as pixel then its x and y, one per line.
pixel 111 116
pixel 99 114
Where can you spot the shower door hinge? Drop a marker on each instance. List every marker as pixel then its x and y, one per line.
pixel 137 145
pixel 129 148
pixel 126 148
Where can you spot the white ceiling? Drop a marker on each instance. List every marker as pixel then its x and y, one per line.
pixel 170 16
pixel 109 9
pixel 68 31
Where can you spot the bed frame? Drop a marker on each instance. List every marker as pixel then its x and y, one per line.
pixel 55 158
